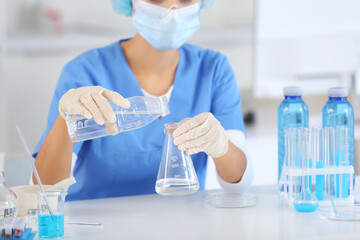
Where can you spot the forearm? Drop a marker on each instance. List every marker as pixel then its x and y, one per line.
pixel 232 165
pixel 53 161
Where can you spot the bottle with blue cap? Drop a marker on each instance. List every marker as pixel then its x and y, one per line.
pixel 336 113
pixel 292 113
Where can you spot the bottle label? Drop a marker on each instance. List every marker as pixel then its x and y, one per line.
pixel 7 212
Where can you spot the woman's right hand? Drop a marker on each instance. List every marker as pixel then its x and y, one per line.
pixel 92 102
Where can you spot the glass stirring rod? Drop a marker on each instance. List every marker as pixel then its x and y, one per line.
pixel 33 167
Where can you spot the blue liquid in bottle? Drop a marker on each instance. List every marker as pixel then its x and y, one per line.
pixel 292 113
pixel 338 112
pixel 51 226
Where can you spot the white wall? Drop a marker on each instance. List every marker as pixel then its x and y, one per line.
pixel 31 84
pixel 3 115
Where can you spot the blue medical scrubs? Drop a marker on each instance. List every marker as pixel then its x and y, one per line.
pixel 127 163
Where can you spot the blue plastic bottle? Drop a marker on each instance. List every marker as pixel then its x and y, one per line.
pixel 292 113
pixel 339 112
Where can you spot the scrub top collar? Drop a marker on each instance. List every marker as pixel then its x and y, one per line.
pixel 179 83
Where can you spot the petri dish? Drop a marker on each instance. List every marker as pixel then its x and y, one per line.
pixel 231 200
pixel 344 213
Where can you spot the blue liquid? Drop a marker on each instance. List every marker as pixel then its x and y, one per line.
pixel 306 207
pixel 339 112
pixel 319 186
pixel 51 226
pixel 292 113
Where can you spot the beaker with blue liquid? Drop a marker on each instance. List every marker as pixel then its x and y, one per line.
pixel 51 221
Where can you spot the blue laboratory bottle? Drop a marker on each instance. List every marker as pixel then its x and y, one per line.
pixel 292 113
pixel 338 112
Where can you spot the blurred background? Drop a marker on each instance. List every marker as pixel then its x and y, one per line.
pixel 270 44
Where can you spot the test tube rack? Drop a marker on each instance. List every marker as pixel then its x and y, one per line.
pixel 330 171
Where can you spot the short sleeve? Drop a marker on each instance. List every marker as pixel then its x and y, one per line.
pixel 73 75
pixel 226 97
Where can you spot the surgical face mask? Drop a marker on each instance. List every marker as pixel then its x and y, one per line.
pixel 165 28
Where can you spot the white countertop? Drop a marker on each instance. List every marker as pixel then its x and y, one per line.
pixel 188 217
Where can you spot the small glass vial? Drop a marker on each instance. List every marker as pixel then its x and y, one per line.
pixel 32 220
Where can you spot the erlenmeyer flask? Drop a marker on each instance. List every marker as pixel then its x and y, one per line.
pixel 176 174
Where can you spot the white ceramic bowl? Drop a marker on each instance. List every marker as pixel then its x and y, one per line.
pixel 27 198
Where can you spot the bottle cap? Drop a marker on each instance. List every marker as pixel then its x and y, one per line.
pixel 293 91
pixel 338 92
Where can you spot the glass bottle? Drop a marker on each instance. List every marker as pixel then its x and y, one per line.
pixel 8 202
pixel 176 174
pixel 292 113
pixel 143 110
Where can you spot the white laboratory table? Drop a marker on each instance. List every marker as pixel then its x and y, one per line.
pixel 188 217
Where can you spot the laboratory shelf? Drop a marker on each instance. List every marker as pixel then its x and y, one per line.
pixel 46 43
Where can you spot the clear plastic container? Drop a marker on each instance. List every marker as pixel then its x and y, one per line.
pixel 292 113
pixel 143 110
pixel 231 200
pixel 8 201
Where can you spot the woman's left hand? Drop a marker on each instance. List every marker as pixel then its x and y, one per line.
pixel 202 133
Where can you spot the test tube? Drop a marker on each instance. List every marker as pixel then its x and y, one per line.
pixel 2 230
pixel 330 161
pixel 319 159
pixel 8 231
pixel 342 159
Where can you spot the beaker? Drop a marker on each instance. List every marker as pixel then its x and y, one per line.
pixel 176 174
pixel 51 224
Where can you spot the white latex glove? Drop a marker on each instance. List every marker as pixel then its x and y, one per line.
pixel 92 102
pixel 202 133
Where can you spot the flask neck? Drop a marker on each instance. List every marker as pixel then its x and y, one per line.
pixel 293 97
pixel 170 128
pixel 2 179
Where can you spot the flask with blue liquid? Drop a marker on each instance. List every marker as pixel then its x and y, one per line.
pixel 292 113
pixel 336 113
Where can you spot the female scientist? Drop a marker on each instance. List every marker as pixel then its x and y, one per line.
pixel 199 84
